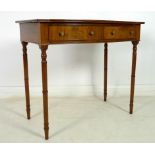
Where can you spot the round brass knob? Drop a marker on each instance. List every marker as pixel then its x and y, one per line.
pixel 132 32
pixel 113 33
pixel 61 34
pixel 91 33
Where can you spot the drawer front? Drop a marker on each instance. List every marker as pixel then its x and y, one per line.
pixel 120 32
pixel 75 33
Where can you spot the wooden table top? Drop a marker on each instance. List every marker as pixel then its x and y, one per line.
pixel 84 21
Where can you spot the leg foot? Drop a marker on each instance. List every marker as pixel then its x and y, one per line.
pixel 46 130
pixel 131 108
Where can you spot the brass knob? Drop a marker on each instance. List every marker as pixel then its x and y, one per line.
pixel 132 32
pixel 61 34
pixel 91 33
pixel 113 33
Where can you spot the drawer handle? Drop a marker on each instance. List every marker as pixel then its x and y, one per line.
pixel 132 32
pixel 113 33
pixel 91 33
pixel 61 34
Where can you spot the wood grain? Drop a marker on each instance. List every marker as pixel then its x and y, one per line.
pixel 80 21
pixel 45 88
pixel 105 70
pixel 59 31
pixel 74 32
pixel 120 32
pixel 30 32
pixel 82 31
pixel 26 78
pixel 134 57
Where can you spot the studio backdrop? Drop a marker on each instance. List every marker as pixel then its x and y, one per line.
pixel 77 69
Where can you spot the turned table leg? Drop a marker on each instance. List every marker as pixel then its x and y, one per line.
pixel 44 88
pixel 105 70
pixel 134 56
pixel 26 78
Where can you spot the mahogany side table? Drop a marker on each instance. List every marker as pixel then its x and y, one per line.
pixel 57 31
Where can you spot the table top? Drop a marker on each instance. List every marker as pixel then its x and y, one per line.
pixel 83 21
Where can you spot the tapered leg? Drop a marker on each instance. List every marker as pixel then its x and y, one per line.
pixel 45 89
pixel 134 56
pixel 105 70
pixel 26 78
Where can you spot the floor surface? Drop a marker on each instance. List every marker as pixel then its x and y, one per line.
pixel 79 119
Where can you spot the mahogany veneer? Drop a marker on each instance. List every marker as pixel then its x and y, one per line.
pixel 58 31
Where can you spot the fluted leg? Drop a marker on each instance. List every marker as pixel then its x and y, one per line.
pixel 26 78
pixel 105 70
pixel 44 88
pixel 134 56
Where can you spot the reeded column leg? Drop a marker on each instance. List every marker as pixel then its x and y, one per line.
pixel 134 56
pixel 105 70
pixel 26 78
pixel 44 88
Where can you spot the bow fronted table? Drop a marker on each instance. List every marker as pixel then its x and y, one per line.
pixel 45 32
